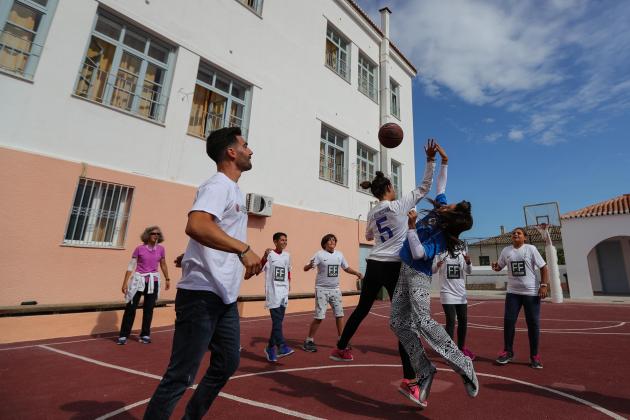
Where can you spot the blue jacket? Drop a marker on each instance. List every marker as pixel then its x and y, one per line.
pixel 432 240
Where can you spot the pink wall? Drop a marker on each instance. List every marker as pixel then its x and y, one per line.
pixel 37 194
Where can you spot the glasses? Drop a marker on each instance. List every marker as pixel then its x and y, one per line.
pixel 156 233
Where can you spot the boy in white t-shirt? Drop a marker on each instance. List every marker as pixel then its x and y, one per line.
pixel 523 290
pixel 449 270
pixel 277 267
pixel 327 291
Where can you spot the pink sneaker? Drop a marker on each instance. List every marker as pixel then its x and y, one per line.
pixel 344 355
pixel 468 353
pixel 411 391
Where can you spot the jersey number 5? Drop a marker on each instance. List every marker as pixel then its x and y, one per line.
pixel 384 229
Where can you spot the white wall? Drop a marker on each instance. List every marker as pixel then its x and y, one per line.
pixel 281 55
pixel 579 237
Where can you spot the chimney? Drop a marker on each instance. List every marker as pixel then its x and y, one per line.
pixel 502 229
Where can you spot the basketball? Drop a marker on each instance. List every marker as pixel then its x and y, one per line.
pixel 390 135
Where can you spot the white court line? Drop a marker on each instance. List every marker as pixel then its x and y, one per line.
pixel 84 340
pixel 505 378
pixel 472 304
pixel 152 376
pixel 621 324
pixel 585 331
pixel 548 319
pixel 437 313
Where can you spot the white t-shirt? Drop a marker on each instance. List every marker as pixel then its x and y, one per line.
pixel 208 269
pixel 521 265
pixel 387 220
pixel 277 270
pixel 451 277
pixel 328 266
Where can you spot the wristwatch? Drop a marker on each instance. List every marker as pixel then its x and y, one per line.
pixel 242 254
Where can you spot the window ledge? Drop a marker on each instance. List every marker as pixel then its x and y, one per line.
pixel 17 76
pixel 333 182
pixel 368 96
pixel 362 191
pixel 195 136
pixel 122 111
pixel 115 248
pixel 338 75
pixel 259 15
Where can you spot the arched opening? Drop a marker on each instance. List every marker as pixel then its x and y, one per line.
pixel 609 266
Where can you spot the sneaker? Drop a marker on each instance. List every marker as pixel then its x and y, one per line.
pixel 121 341
pixel 505 357
pixel 471 385
pixel 536 362
pixel 344 355
pixel 145 339
pixel 309 346
pixel 411 391
pixel 284 350
pixel 468 353
pixel 270 353
pixel 424 385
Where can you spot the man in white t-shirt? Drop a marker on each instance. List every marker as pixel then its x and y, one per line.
pixel 328 262
pixel 524 290
pixel 212 271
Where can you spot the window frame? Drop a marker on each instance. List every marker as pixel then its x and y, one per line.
pixel 361 159
pixel 396 176
pixel 119 237
pixel 328 144
pixel 39 39
pixel 365 69
pixel 256 8
pixel 394 97
pixel 245 103
pixel 486 258
pixel 331 31
pixel 121 48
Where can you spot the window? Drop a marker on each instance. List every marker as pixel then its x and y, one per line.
pixel 395 99
pixel 368 78
pixel 24 26
pixel 337 53
pixel 366 164
pixel 332 156
pixel 255 5
pixel 99 214
pixel 484 260
pixel 126 69
pixel 397 177
pixel 218 101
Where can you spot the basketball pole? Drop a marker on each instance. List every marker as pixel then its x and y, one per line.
pixel 552 263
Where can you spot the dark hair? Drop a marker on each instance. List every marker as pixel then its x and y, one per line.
pixel 378 186
pixel 522 229
pixel 219 140
pixel 147 234
pixel 452 223
pixel 327 238
pixel 278 235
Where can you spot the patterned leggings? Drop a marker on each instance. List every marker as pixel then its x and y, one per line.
pixel 411 319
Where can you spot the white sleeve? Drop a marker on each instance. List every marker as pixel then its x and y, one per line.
pixel 434 267
pixel 417 250
pixel 440 187
pixel 132 264
pixel 212 199
pixel 502 259
pixel 369 229
pixel 409 201
pixel 344 263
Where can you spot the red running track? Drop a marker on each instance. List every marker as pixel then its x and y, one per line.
pixel 584 349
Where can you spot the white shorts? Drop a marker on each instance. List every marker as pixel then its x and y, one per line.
pixel 324 297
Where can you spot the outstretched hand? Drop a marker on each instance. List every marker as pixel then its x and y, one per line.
pixel 442 153
pixel 430 149
pixel 411 218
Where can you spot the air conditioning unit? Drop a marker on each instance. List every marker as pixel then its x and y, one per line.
pixel 259 205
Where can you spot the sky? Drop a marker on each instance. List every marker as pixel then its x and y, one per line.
pixel 530 99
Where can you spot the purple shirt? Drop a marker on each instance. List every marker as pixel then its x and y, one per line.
pixel 148 258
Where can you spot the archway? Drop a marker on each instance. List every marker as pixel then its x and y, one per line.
pixel 609 266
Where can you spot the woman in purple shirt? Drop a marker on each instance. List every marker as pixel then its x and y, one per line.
pixel 145 281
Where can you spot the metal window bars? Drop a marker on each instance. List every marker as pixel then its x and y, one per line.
pixel 201 124
pixel 15 52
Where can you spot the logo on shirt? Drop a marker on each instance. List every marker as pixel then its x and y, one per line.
pixel 453 271
pixel 278 273
pixel 517 268
pixel 333 271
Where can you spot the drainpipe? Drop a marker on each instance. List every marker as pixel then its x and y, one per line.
pixel 384 93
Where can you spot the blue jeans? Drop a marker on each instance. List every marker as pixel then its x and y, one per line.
pixel 531 304
pixel 203 322
pixel 277 316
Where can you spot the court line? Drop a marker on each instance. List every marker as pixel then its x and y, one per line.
pixel 471 305
pixel 437 313
pixel 549 319
pixel 621 324
pixel 152 376
pixel 113 335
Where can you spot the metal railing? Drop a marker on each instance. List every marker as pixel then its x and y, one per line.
pixel 337 64
pixel 201 124
pixel 369 88
pixel 337 174
pixel 15 52
pixel 121 91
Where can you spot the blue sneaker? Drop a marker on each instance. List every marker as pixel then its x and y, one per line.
pixel 284 351
pixel 270 353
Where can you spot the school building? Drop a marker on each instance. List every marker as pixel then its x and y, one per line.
pixel 105 105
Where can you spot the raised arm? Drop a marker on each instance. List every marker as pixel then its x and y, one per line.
pixel 442 175
pixel 417 250
pixel 409 200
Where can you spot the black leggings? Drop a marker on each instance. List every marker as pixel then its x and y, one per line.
pixel 378 274
pixel 459 311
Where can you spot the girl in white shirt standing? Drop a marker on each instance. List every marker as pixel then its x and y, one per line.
pixel 523 290
pixel 449 270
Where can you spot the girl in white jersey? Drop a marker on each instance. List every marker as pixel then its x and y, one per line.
pixel 387 226
pixel 449 271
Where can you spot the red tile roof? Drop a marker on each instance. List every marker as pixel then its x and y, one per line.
pixel 533 237
pixel 617 205
pixel 365 16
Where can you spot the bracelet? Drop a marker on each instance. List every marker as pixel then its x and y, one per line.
pixel 242 254
pixel 544 285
